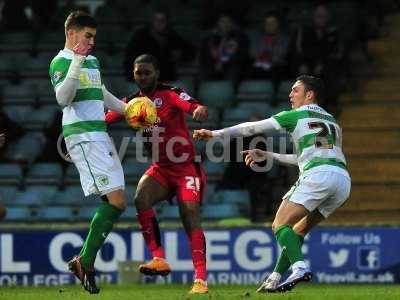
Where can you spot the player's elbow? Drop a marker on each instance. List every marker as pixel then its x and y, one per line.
pixel 64 99
pixel 62 102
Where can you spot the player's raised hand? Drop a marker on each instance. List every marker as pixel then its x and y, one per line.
pixel 82 49
pixel 254 156
pixel 200 113
pixel 202 134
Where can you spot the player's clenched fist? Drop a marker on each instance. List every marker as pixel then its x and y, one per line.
pixel 202 134
pixel 254 156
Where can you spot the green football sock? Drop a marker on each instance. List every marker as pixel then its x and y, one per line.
pixel 288 239
pixel 101 225
pixel 283 263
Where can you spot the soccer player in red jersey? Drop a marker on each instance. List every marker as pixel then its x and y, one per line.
pixel 175 171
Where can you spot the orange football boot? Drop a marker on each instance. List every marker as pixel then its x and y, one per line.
pixel 199 287
pixel 157 266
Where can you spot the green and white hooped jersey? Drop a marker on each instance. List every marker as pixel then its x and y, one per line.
pixel 316 136
pixel 84 119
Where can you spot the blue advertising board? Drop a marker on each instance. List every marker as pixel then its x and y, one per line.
pixel 234 256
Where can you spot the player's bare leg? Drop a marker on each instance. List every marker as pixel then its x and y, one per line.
pixel 191 219
pixel 148 193
pixel 308 222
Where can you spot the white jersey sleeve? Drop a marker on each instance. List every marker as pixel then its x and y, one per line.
pixel 247 129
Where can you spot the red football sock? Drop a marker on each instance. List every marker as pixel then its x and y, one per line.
pixel 198 247
pixel 151 232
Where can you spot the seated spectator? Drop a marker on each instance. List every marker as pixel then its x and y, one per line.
pixel 160 40
pixel 210 10
pixel 225 52
pixel 318 51
pixel 271 61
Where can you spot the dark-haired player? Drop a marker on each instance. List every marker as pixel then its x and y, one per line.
pixel 174 172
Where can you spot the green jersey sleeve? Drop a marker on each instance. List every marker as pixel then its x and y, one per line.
pixel 287 119
pixel 58 70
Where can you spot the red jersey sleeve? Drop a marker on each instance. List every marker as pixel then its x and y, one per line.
pixel 183 101
pixel 112 116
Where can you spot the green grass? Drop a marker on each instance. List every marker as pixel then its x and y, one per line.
pixel 231 292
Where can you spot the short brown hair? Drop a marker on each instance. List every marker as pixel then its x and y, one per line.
pixel 78 20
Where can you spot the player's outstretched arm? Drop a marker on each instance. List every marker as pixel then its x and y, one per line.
pixel 112 116
pixel 243 129
pixel 112 102
pixel 256 155
pixel 286 159
pixel 202 134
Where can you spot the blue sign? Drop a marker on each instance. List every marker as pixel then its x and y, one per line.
pixel 234 256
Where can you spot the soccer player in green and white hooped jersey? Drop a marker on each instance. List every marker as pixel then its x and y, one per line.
pixel 76 78
pixel 324 182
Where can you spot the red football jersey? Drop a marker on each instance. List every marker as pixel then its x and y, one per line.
pixel 172 104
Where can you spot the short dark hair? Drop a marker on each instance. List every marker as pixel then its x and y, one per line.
pixel 78 20
pixel 312 83
pixel 147 59
pixel 272 14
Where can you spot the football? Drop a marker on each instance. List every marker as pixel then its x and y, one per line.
pixel 141 113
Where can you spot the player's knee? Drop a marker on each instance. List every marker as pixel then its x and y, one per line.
pixel 116 199
pixel 190 217
pixel 273 227
pixel 140 202
pixel 121 204
pixel 300 230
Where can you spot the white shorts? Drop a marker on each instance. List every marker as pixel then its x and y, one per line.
pixel 99 167
pixel 325 191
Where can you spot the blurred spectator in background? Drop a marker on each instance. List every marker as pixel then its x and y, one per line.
pixel 271 61
pixel 14 15
pixel 53 133
pixel 62 11
pixel 2 139
pixel 319 51
pixel 211 10
pixel 42 12
pixel 225 52
pixel 9 127
pixel 27 16
pixel 109 12
pixel 238 176
pixel 160 40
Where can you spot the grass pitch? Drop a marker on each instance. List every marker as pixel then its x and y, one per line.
pixel 231 292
